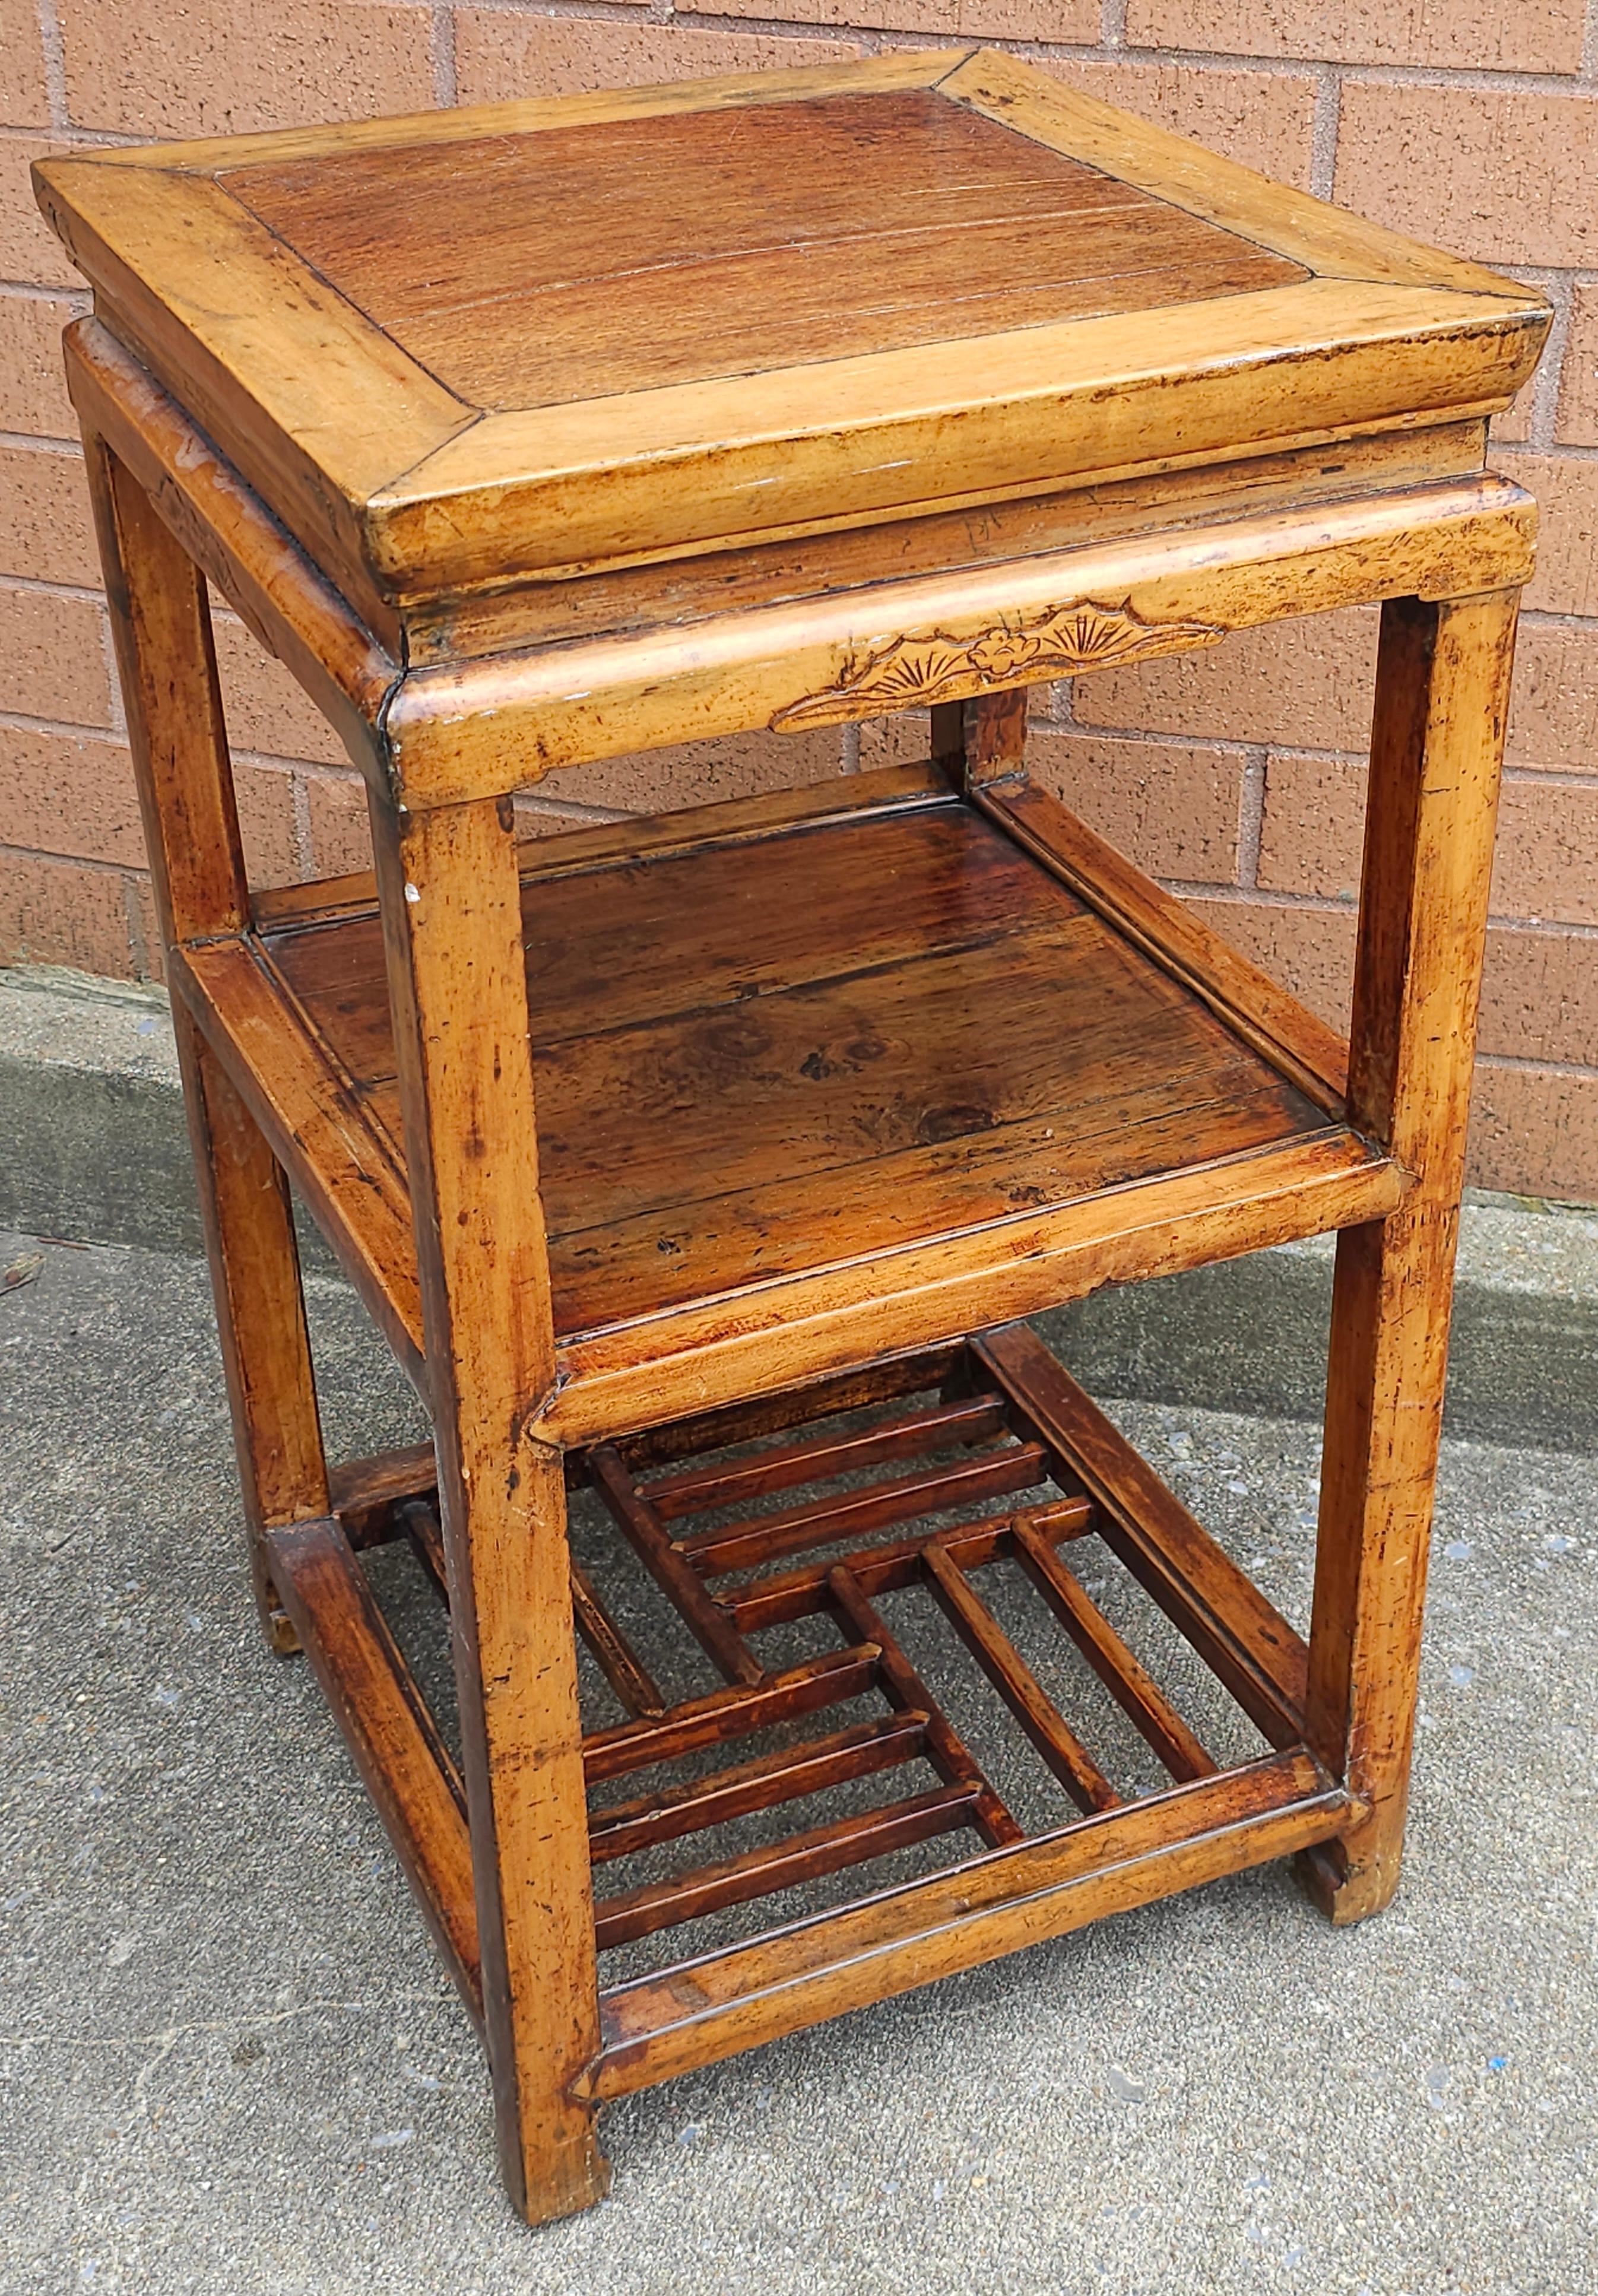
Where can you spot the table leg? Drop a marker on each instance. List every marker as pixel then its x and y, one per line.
pixel 1442 694
pixel 161 620
pixel 982 740
pixel 451 921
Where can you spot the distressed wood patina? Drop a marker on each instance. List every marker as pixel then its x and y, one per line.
pixel 699 1170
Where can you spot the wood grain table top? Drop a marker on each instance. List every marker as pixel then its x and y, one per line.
pixel 473 345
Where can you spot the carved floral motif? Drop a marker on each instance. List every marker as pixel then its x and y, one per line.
pixel 912 672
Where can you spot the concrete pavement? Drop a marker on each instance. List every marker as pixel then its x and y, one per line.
pixel 230 2065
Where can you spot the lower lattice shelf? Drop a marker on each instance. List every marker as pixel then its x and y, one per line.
pixel 806 1515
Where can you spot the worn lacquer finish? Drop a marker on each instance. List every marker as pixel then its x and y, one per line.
pixel 434 408
pixel 458 1004
pixel 179 745
pixel 708 1163
pixel 1442 704
pixel 488 725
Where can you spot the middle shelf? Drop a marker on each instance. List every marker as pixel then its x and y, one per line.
pixel 868 1063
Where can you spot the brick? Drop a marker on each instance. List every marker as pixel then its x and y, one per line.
pixel 264 797
pixel 1539 994
pixel 53 657
pixel 905 739
pixel 1540 36
pixel 943 19
pixel 28 248
pixel 73 796
pixel 1171 807
pixel 1535 1130
pixel 212 68
pixel 1553 711
pixel 1313 830
pixel 1566 581
pixel 340 834
pixel 148 956
pixel 1265 119
pixel 33 383
pixel 1305 683
pixel 63 913
pixel 1312 834
pixel 1503 176
pixel 24 91
pixel 1512 428
pixel 46 532
pixel 69 794
pixel 657 781
pixel 265 708
pixel 1547 836
pixel 499 55
pixel 1577 422
pixel 1309 951
pixel 698 773
pixel 539 816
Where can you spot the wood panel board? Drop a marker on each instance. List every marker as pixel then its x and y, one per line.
pixel 608 1277
pixel 897 284
pixel 829 1077
pixel 670 933
pixel 826 229
pixel 774 1056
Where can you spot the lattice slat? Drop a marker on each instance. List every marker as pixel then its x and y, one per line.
pixel 884 1570
pixel 663 1559
pixel 784 1466
pixel 615 1657
pixel 733 1713
pixel 1238 1634
pixel 757 1500
pixel 824 1523
pixel 783 1865
pixel 945 1749
pixel 772 1415
pixel 1017 1684
pixel 623 1828
pixel 613 1654
pixel 1128 1680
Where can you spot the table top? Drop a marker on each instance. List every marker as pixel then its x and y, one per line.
pixel 470 346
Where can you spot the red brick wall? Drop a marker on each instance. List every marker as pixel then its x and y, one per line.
pixel 1236 776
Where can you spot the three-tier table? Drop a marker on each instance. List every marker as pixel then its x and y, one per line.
pixel 701 1169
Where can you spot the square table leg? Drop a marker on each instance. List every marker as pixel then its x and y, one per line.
pixel 450 894
pixel 984 739
pixel 1442 696
pixel 161 620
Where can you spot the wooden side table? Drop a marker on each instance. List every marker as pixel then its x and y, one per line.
pixel 536 435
